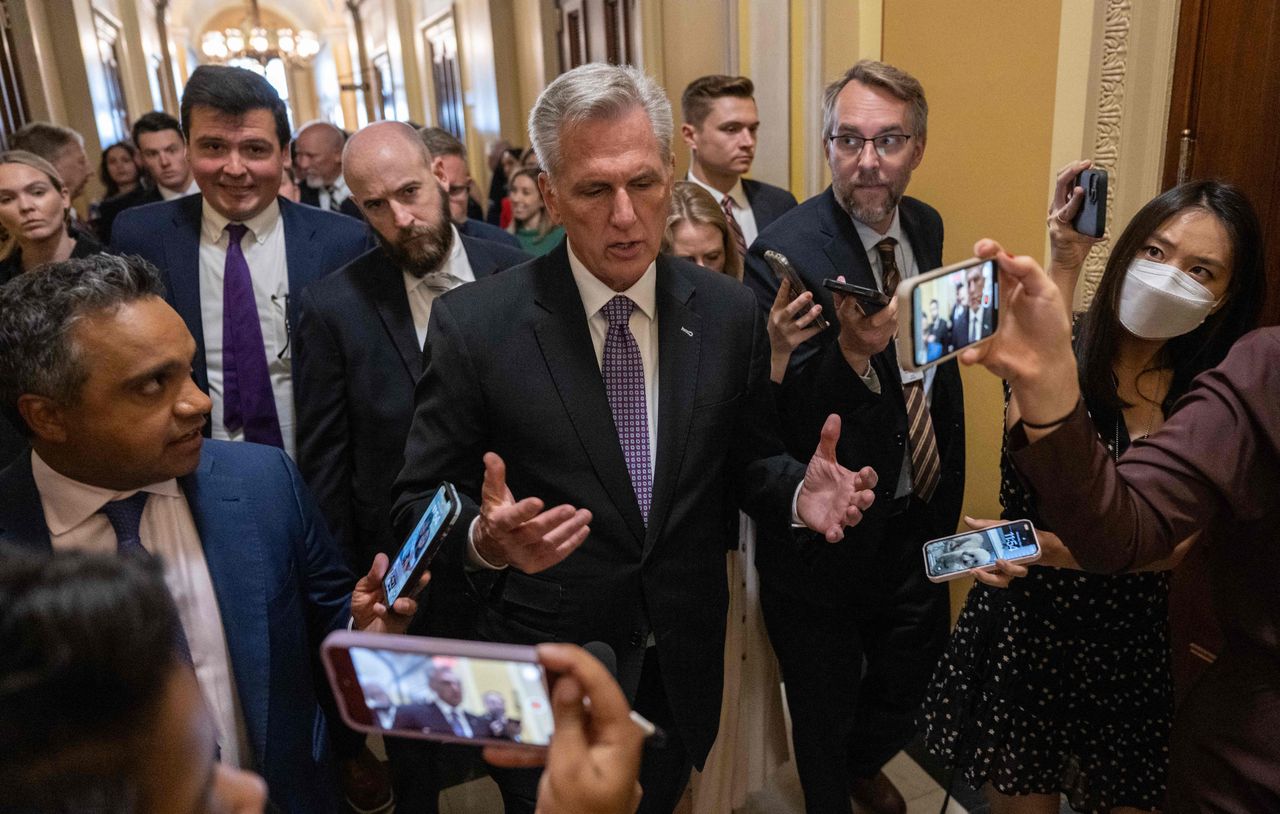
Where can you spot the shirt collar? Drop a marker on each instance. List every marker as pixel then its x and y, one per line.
pixel 456 265
pixel 737 193
pixel 870 237
pixel 68 503
pixel 595 294
pixel 213 223
pixel 169 194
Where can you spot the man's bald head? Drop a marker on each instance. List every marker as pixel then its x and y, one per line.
pixel 382 139
pixel 318 153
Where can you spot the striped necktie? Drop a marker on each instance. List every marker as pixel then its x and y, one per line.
pixel 926 465
pixel 738 237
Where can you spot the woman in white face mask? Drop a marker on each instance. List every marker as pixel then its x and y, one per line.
pixel 1061 684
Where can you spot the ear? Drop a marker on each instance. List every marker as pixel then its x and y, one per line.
pixel 687 132
pixel 44 417
pixel 917 153
pixel 437 169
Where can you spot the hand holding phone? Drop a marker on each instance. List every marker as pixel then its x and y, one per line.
pixel 869 299
pixel 955 556
pixel 1091 220
pixel 785 271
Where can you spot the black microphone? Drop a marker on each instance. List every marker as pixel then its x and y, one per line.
pixel 605 655
pixel 654 736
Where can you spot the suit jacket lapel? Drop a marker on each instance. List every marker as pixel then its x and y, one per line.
pixel 21 513
pixel 844 249
pixel 679 351
pixel 182 264
pixel 384 283
pixel 224 516
pixel 565 342
pixel 302 253
pixel 927 258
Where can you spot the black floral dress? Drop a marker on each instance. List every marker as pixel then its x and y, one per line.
pixel 1061 682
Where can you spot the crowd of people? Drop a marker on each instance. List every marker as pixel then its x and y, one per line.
pixel 240 383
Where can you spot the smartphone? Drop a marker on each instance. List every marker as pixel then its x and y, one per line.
pixel 439 689
pixel 785 271
pixel 870 299
pixel 951 557
pixel 1091 220
pixel 946 310
pixel 423 543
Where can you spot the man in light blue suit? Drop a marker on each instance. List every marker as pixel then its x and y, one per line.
pixel 95 370
pixel 236 257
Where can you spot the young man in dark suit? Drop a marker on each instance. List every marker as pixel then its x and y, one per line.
pixel 720 124
pixel 628 391
pixel 236 258
pixel 828 608
pixel 358 347
pixel 164 155
pixel 95 369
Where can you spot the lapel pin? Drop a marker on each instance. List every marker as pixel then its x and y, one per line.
pixel 686 331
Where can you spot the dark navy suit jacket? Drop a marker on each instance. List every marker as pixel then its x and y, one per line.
pixel 281 587
pixel 168 235
pixel 768 203
pixel 480 230
pixel 356 360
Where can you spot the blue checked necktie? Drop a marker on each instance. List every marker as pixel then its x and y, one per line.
pixel 248 401
pixel 126 520
pixel 624 386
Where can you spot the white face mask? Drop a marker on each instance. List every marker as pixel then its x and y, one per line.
pixel 1159 301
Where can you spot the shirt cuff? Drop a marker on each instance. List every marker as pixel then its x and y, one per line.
pixel 796 522
pixel 474 559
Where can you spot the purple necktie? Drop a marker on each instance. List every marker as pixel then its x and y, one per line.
pixel 125 517
pixel 247 398
pixel 624 386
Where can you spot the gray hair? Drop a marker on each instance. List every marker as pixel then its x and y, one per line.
pixel 896 82
pixel 38 310
pixel 595 91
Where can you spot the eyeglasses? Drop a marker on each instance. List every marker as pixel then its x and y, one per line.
pixel 850 146
pixel 459 190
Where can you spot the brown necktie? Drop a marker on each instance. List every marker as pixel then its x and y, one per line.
pixel 738 237
pixel 926 466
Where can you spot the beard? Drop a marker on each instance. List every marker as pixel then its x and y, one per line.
pixel 420 250
pixel 869 212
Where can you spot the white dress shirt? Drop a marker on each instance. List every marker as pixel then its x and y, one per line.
pixel 907 268
pixel 167 531
pixel 169 194
pixel 741 206
pixel 422 291
pixel 264 251
pixel 333 199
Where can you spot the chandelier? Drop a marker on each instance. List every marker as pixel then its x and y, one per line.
pixel 254 41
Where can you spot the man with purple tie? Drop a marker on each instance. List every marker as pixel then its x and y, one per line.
pixel 236 257
pixel 605 412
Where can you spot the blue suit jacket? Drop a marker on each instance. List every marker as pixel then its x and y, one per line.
pixel 281 587
pixel 768 203
pixel 480 230
pixel 167 234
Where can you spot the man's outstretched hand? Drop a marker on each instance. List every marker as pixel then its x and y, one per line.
pixel 520 533
pixel 831 496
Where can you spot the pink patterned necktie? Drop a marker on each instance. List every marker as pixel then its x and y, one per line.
pixel 624 386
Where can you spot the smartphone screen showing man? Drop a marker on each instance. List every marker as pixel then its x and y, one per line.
pixel 419 548
pixel 444 695
pixel 953 311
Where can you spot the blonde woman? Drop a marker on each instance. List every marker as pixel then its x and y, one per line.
pixel 531 223
pixel 34 212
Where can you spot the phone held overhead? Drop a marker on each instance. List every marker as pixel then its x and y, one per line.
pixel 946 310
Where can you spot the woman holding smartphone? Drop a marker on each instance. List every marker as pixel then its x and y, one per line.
pixel 1061 683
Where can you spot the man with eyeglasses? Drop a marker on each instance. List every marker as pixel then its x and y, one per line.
pixel 865 599
pixel 449 161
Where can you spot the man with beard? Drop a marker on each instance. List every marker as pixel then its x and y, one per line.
pixel 829 608
pixel 361 331
pixel 318 163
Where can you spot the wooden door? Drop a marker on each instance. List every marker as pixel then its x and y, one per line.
pixel 1224 122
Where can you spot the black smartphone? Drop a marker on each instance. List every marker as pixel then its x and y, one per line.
pixel 446 690
pixel 870 299
pixel 1091 220
pixel 785 271
pixel 416 553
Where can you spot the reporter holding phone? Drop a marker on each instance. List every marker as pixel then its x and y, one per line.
pixel 1061 683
